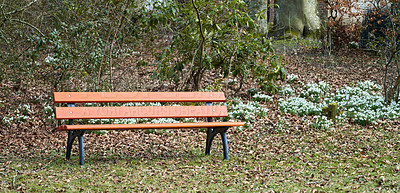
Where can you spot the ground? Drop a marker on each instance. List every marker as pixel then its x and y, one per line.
pixel 276 153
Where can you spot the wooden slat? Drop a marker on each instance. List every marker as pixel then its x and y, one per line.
pixel 149 126
pixel 140 112
pixel 102 97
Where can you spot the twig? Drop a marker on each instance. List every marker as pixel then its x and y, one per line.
pixel 16 172
pixel 23 8
pixel 28 24
pixel 13 182
pixel 186 79
pixel 202 34
pixel 2 37
pixel 112 47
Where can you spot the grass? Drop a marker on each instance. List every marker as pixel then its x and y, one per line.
pixel 283 46
pixel 327 161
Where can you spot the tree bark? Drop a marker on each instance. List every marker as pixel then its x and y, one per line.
pixel 297 18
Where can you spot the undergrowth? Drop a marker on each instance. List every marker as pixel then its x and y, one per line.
pixel 362 104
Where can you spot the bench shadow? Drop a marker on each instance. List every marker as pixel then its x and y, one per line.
pixel 96 159
pixel 169 155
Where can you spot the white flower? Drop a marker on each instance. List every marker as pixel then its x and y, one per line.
pixel 287 90
pixel 299 106
pixel 245 111
pixel 292 78
pixel 262 97
pixel 50 59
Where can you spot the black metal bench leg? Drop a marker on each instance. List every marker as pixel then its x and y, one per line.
pixel 224 145
pixel 70 140
pixel 211 132
pixel 81 153
pixel 71 137
pixel 209 140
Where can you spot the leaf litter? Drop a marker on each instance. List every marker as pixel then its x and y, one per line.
pixel 267 156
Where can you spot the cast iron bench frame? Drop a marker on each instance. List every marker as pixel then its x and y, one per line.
pixel 112 112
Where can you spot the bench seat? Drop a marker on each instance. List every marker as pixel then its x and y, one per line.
pixel 148 126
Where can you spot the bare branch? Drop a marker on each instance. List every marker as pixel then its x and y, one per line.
pixel 203 39
pixel 22 9
pixel 3 37
pixel 28 24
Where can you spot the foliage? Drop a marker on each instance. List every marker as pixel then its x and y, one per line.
pixel 376 22
pixel 210 35
pixel 269 75
pixel 364 104
pixel 247 112
pixel 215 87
pixel 304 104
pixel 286 90
pixel 79 38
pixel 78 45
pixel 383 36
pixel 65 46
pixel 343 22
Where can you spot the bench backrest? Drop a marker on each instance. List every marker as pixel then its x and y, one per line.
pixel 109 97
pixel 72 112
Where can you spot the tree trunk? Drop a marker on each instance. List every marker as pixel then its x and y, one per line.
pixel 255 6
pixel 297 18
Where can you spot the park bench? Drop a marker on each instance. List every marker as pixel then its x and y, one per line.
pixel 70 111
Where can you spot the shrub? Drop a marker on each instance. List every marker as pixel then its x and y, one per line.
pixel 210 35
pixel 343 22
pixel 382 35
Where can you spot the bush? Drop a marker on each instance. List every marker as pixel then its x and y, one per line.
pixel 376 23
pixel 382 34
pixel 343 22
pixel 210 35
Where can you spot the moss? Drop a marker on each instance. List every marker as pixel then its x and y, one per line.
pixel 291 34
pixel 312 34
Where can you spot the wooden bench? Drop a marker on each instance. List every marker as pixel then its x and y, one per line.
pixel 71 112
